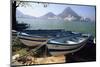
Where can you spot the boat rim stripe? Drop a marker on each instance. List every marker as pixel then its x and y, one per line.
pixel 55 50
pixel 32 39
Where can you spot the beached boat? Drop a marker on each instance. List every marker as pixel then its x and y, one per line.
pixel 58 43
pixel 32 40
pixel 68 44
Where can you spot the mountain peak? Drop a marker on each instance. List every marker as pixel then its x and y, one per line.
pixel 68 11
pixel 19 14
pixel 68 8
pixel 50 14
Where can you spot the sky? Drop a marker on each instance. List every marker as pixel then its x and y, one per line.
pixel 38 9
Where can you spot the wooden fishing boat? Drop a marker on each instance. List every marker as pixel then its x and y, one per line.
pixel 68 44
pixel 32 40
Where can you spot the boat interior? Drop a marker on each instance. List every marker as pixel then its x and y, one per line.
pixel 70 39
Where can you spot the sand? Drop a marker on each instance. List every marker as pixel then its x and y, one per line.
pixel 48 60
pixel 43 60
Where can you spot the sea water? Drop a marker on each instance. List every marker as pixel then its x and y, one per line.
pixel 75 26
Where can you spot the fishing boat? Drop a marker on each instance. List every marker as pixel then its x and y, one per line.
pixel 58 43
pixel 67 44
pixel 32 40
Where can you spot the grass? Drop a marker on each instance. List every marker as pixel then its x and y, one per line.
pixel 18 47
pixel 23 50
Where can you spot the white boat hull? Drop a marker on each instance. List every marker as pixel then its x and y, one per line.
pixel 60 49
pixel 31 41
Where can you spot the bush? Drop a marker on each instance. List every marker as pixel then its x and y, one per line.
pixel 22 52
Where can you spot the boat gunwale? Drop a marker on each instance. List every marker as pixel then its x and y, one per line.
pixel 64 44
pixel 54 50
pixel 31 39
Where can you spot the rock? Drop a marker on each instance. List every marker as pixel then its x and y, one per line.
pixel 15 56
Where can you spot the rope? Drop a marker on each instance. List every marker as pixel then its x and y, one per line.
pixel 39 46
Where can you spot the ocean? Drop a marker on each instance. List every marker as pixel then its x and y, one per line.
pixel 75 26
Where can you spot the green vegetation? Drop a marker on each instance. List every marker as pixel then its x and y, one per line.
pixel 23 50
pixel 16 46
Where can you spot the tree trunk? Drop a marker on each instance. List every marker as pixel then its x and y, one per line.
pixel 14 23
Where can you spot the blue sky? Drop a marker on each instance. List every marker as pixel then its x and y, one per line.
pixel 38 10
